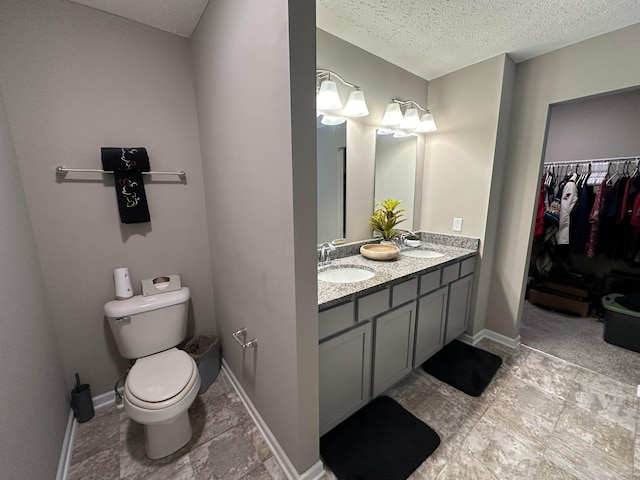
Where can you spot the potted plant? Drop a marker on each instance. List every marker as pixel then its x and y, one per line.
pixel 412 240
pixel 386 217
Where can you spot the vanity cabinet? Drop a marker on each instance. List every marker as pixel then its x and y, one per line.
pixel 432 312
pixel 393 347
pixel 458 310
pixel 344 375
pixel 370 343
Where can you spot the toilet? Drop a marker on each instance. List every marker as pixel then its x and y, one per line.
pixel 164 381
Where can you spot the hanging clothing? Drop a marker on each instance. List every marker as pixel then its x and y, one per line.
pixel 594 218
pixel 539 227
pixel 583 210
pixel 609 229
pixel 568 201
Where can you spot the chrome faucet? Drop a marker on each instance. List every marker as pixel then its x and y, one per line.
pixel 400 241
pixel 324 254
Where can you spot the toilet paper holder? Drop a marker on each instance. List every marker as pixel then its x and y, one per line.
pixel 162 284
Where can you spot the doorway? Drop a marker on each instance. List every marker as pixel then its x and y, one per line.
pixel 561 315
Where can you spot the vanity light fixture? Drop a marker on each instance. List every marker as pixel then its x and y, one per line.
pixel 328 99
pixel 410 121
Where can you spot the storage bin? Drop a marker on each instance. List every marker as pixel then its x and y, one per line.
pixel 621 325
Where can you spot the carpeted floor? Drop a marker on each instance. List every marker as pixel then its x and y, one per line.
pixel 578 340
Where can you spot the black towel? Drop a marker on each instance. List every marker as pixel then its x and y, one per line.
pixel 127 165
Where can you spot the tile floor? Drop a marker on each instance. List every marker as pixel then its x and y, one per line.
pixel 226 445
pixel 541 418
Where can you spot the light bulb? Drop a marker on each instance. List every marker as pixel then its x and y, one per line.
pixel 328 98
pixel 356 106
pixel 427 124
pixel 411 119
pixel 392 115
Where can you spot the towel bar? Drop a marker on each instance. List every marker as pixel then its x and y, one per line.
pixel 64 170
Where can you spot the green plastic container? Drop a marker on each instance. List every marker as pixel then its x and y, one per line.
pixel 621 325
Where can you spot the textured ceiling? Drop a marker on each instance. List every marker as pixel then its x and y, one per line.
pixel 431 38
pixel 174 16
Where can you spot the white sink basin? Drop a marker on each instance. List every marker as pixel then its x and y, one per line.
pixel 422 253
pixel 348 274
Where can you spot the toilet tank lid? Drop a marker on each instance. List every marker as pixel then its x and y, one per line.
pixel 140 304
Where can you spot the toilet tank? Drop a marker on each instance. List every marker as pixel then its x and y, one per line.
pixel 143 326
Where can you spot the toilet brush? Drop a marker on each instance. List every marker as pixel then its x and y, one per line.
pixel 81 401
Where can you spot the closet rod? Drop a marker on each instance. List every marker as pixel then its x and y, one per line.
pixel 613 159
pixel 64 170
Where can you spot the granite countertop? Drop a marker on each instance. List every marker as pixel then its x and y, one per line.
pixel 390 272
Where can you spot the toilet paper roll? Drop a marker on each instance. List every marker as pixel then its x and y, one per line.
pixel 123 283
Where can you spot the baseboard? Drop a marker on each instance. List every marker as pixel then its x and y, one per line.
pixel 315 472
pixel 67 448
pixel 106 399
pixel 491 335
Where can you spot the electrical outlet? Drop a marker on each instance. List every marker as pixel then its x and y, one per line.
pixel 639 390
pixel 457 224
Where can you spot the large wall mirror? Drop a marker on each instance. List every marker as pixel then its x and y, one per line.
pixel 395 175
pixel 392 174
pixel 332 181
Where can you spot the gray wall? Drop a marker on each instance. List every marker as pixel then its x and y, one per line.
pixel 605 126
pixel 76 79
pixel 603 64
pixel 33 399
pixel 465 159
pixel 261 203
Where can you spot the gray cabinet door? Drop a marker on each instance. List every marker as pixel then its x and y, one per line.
pixel 345 375
pixel 458 311
pixel 432 312
pixel 393 347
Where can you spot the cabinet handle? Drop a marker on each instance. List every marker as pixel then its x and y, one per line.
pixel 241 338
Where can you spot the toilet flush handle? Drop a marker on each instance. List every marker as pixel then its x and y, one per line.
pixel 123 320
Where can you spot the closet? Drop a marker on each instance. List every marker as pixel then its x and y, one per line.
pixel 587 227
pixel 586 209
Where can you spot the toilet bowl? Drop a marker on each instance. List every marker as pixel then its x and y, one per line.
pixel 158 392
pixel 164 381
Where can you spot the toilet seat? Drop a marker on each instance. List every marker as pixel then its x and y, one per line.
pixel 161 380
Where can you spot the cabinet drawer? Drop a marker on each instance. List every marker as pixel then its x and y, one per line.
pixel 450 273
pixel 429 281
pixel 467 266
pixel 404 292
pixel 335 320
pixel 371 305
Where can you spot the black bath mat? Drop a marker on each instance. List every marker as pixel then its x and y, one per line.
pixel 382 441
pixel 464 367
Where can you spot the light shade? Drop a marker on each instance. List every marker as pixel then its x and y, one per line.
pixel 330 120
pixel 356 106
pixel 392 115
pixel 328 98
pixel 411 119
pixel 384 131
pixel 427 124
pixel 400 134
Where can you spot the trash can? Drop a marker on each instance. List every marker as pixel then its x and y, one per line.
pixel 205 350
pixel 621 324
